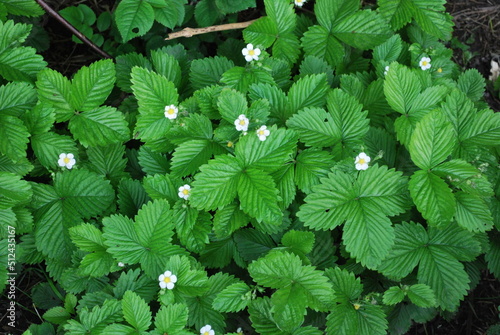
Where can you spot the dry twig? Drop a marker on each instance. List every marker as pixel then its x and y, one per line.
pixel 188 32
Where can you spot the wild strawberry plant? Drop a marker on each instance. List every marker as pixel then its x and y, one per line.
pixel 327 170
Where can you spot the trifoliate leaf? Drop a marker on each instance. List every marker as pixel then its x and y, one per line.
pixel 136 311
pixel 75 195
pixel 13 137
pixel 208 71
pixel 282 14
pixel 55 90
pixel 108 161
pixel 21 64
pixel 100 126
pixel 153 91
pixel 368 319
pixel 16 98
pixel 432 141
pixel 261 32
pixel 363 30
pixel 87 237
pixel 308 91
pixel 316 127
pixel 135 18
pixel 217 183
pixel 433 197
pixel 330 12
pixel 91 85
pixel 13 190
pixel 276 97
pixel 241 78
pixel 189 156
pixel 232 298
pixel 287 48
pixel 319 42
pixel 97 318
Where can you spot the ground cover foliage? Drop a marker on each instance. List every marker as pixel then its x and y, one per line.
pixel 343 179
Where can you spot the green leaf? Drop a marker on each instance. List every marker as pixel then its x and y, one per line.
pixel 473 213
pixel 91 85
pixel 57 315
pixel 40 119
pixel 108 161
pixel 231 104
pixel 22 167
pixel 189 156
pixel 432 18
pixel 421 295
pixel 87 237
pixel 472 83
pixel 277 100
pixel 13 34
pixel 401 88
pixel 269 155
pixel 229 219
pixel 484 130
pixel 319 42
pixel 97 318
pixel 311 165
pixel 259 196
pixel 153 91
pixel 228 6
pixel 49 146
pixel 13 137
pixel 55 90
pixel 161 186
pixel 240 78
pixel 432 141
pixel 172 14
pixel 298 241
pixel 389 51
pixel 492 257
pixel 208 71
pixel 101 126
pixel 308 91
pixel 75 195
pixel 207 13
pixel 369 319
pixel 330 12
pixel 363 30
pixel 136 311
pixel 282 14
pixel 252 243
pixel 261 318
pixel 192 227
pixel 171 318
pixel 133 18
pixel 166 65
pixel 217 183
pixel 433 197
pixel 153 162
pixel 394 295
pixel 287 47
pixel 21 64
pixel 13 190
pixel 131 196
pixel 232 298
pixel 397 12
pixel 289 307
pixel 124 65
pixel 23 7
pixel 262 32
pixel 316 127
pixel 17 98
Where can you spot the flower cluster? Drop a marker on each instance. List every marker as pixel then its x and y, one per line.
pixel 250 53
pixel 66 160
pixel 167 280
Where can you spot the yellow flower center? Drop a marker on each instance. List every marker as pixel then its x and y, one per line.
pixel 185 191
pixel 356 306
pixel 171 111
pixel 230 144
pixel 261 132
pixel 242 122
pixel 251 52
pixel 66 160
pixel 167 280
pixel 440 70
pixel 361 161
pixel 424 63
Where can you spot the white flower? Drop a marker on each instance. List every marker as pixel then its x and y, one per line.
pixel 362 161
pixel 425 63
pixel 386 70
pixel 120 264
pixel 250 53
pixel 171 112
pixel 184 192
pixel 207 330
pixel 299 3
pixel 263 132
pixel 239 331
pixel 67 160
pixel 167 280
pixel 241 123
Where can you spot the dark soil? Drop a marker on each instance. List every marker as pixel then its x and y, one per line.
pixel 476 43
